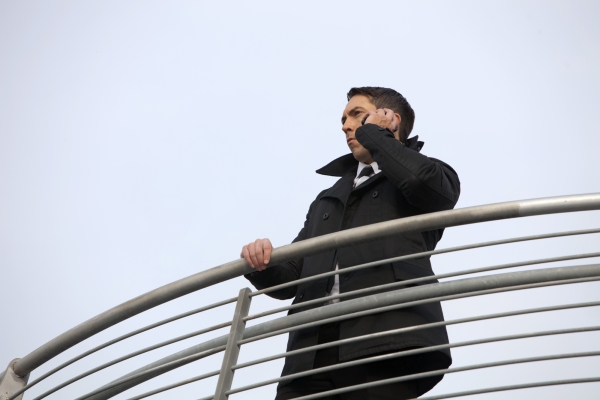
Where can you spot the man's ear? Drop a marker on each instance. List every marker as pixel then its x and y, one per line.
pixel 397 120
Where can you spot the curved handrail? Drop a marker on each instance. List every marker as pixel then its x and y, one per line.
pixel 425 222
pixel 406 353
pixel 512 387
pixel 414 328
pixel 130 355
pixel 422 254
pixel 471 367
pixel 527 335
pixel 121 338
pixel 352 308
pixel 361 292
pixel 409 282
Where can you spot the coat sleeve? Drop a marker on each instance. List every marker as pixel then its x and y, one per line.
pixel 428 184
pixel 284 272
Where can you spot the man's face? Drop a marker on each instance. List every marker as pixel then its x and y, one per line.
pixel 355 111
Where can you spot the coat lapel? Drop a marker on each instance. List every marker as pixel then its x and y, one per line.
pixel 341 189
pixel 344 167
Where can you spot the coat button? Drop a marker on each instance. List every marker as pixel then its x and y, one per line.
pixel 375 194
pixel 326 215
pixel 301 296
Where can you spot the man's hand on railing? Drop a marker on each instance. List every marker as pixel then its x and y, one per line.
pixel 258 253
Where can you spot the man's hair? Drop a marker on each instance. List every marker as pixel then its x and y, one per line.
pixel 389 98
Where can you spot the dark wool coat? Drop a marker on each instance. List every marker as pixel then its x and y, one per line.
pixel 409 184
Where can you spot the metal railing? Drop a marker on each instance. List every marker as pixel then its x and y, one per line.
pixel 14 381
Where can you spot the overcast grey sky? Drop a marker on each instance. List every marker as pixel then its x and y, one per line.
pixel 141 142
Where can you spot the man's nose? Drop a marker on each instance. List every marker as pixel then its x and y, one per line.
pixel 348 127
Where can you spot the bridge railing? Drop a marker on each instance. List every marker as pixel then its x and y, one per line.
pixel 14 382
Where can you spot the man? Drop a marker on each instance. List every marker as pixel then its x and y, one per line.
pixel 385 177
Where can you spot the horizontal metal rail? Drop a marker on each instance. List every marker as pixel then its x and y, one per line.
pixel 303 248
pixel 512 387
pixel 394 285
pixel 406 353
pixel 156 370
pixel 416 328
pixel 364 361
pixel 131 355
pixel 121 338
pixel 416 303
pixel 175 385
pixel 392 332
pixel 422 254
pixel 354 293
pixel 386 300
pixel 449 371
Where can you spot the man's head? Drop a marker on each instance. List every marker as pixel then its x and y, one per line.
pixel 364 99
pixel 389 98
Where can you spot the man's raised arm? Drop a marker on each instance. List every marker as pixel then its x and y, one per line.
pixel 427 183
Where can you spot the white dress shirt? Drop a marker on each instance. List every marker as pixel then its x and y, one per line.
pixel 357 181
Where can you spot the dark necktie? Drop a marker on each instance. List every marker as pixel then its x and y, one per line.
pixel 366 171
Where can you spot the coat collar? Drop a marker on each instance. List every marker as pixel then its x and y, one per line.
pixel 348 165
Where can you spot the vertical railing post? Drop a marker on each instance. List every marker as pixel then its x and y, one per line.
pixel 232 350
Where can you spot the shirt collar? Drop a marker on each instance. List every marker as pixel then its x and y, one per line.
pixel 362 165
